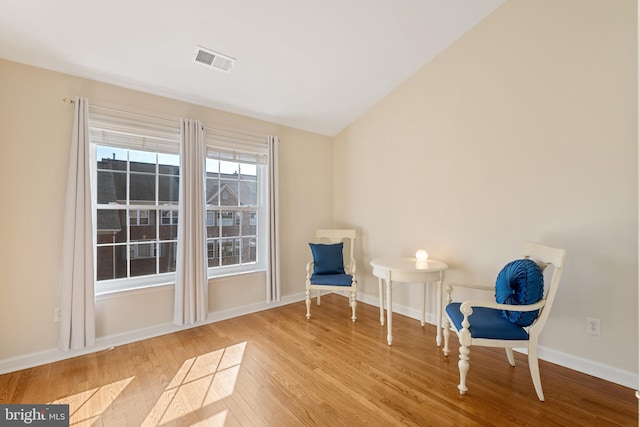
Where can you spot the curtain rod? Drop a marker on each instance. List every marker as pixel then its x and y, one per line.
pixel 71 101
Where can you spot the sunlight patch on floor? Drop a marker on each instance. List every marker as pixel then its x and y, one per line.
pixel 85 407
pixel 199 382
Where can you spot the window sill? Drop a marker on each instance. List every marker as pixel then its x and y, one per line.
pixel 149 288
pixel 141 289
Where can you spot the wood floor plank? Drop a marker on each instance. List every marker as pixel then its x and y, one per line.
pixel 276 368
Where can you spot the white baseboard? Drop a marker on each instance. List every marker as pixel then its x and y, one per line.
pixel 590 367
pixel 104 343
pixel 576 363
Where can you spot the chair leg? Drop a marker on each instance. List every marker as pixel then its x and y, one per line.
pixel 510 358
pixel 308 302
pixel 381 297
pixel 318 303
pixel 353 306
pixel 446 332
pixel 535 371
pixel 463 366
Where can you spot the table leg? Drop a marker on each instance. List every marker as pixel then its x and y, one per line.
pixel 389 305
pixel 381 295
pixel 424 304
pixel 439 312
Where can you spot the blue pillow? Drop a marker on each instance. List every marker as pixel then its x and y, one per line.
pixel 520 282
pixel 327 258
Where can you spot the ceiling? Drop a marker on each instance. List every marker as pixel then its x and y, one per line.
pixel 312 65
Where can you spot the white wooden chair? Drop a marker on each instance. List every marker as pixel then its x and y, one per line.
pixel 328 271
pixel 488 327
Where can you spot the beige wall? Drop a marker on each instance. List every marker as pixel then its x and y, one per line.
pixel 35 129
pixel 524 129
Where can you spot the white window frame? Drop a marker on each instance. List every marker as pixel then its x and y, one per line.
pixel 157 136
pixel 124 133
pixel 252 151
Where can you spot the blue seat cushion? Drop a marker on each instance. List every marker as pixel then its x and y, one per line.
pixel 327 258
pixel 487 323
pixel 520 282
pixel 332 279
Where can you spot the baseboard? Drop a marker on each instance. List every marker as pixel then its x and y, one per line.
pixel 105 343
pixel 590 367
pixel 576 363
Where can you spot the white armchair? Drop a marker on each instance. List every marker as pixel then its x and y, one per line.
pixel 328 271
pixel 491 324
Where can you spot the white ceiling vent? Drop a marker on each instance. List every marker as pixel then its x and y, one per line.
pixel 213 59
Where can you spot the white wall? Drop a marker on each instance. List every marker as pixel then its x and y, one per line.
pixel 35 135
pixel 524 129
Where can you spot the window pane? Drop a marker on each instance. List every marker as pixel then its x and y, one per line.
pixel 213 258
pixel 229 168
pixel 212 191
pixel 248 249
pixel 248 193
pixel 213 223
pixel 111 153
pixel 169 225
pixel 249 223
pixel 112 187
pixel 236 248
pixel 212 166
pixel 248 172
pixel 168 188
pixel 142 224
pixel 168 164
pixel 228 252
pixel 110 263
pixel 229 192
pixel 142 189
pixel 227 224
pixel 142 260
pixel 142 161
pixel 142 250
pixel 111 226
pixel 167 257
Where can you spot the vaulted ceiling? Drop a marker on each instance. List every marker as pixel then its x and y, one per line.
pixel 312 65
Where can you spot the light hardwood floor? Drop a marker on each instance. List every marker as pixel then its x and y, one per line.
pixel 275 368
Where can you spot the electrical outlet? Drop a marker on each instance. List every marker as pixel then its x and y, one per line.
pixel 593 326
pixel 57 314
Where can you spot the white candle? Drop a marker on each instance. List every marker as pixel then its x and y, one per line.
pixel 422 255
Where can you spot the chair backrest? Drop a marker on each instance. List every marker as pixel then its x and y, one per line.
pixel 336 236
pixel 545 256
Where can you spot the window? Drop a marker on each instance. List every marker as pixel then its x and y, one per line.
pixel 211 219
pixel 225 218
pixel 170 217
pixel 143 250
pixel 137 215
pixel 135 190
pixel 135 186
pixel 233 190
